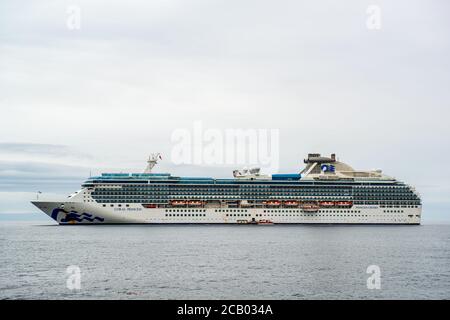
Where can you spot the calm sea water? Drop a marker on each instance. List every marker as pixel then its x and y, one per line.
pixel 224 262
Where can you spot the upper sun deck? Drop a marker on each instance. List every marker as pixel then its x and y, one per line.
pixel 168 178
pixel 318 170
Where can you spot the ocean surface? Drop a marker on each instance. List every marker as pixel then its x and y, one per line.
pixel 223 262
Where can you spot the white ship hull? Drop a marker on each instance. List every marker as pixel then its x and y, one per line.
pixel 94 213
pixel 326 192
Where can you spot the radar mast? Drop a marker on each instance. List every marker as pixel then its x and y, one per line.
pixel 152 161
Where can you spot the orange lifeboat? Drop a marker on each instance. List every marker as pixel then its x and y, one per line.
pixel 272 203
pixel 149 205
pixel 344 203
pixel 178 203
pixel 310 207
pixel 327 203
pixel 195 203
pixel 291 203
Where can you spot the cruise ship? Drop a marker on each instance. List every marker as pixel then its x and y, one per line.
pixel 326 191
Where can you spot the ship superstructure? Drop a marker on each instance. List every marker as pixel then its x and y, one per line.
pixel 326 191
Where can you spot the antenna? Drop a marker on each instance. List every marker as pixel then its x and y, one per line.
pixel 152 161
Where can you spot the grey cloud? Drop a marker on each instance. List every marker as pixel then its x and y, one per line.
pixel 26 176
pixel 36 169
pixel 33 148
pixel 40 149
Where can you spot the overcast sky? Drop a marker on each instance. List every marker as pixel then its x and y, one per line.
pixel 104 96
